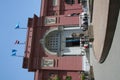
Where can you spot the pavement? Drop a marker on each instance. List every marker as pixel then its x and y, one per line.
pixel 99 23
pixel 109 70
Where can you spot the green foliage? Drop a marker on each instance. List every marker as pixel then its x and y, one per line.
pixel 57 78
pixel 68 78
pixel 82 76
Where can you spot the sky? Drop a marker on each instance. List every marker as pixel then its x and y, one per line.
pixel 14 12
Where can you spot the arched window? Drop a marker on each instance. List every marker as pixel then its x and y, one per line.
pixel 52 41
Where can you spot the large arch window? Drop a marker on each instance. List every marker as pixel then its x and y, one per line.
pixel 52 41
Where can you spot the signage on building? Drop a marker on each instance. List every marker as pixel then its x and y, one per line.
pixel 47 63
pixel 50 20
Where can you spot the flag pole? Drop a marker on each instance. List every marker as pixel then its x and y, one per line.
pixel 21 43
pixel 14 53
pixel 18 42
pixel 17 55
pixel 20 28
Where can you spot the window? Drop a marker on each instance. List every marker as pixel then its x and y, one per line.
pixel 53 41
pixel 73 14
pixel 55 2
pixel 50 20
pixel 70 1
pixel 79 1
pixel 72 42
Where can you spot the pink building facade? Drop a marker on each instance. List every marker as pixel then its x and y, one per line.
pixel 49 51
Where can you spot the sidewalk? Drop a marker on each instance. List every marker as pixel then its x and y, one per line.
pixel 109 70
pixel 99 23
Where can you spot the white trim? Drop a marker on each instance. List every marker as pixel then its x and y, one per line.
pixel 71 28
pixel 85 63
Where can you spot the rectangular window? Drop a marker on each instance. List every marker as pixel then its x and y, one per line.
pixel 70 1
pixel 73 1
pixel 50 20
pixel 79 1
pixel 55 2
pixel 72 42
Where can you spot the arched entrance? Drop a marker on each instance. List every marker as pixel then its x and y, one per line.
pixel 60 41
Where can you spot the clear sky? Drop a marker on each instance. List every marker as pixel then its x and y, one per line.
pixel 13 12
